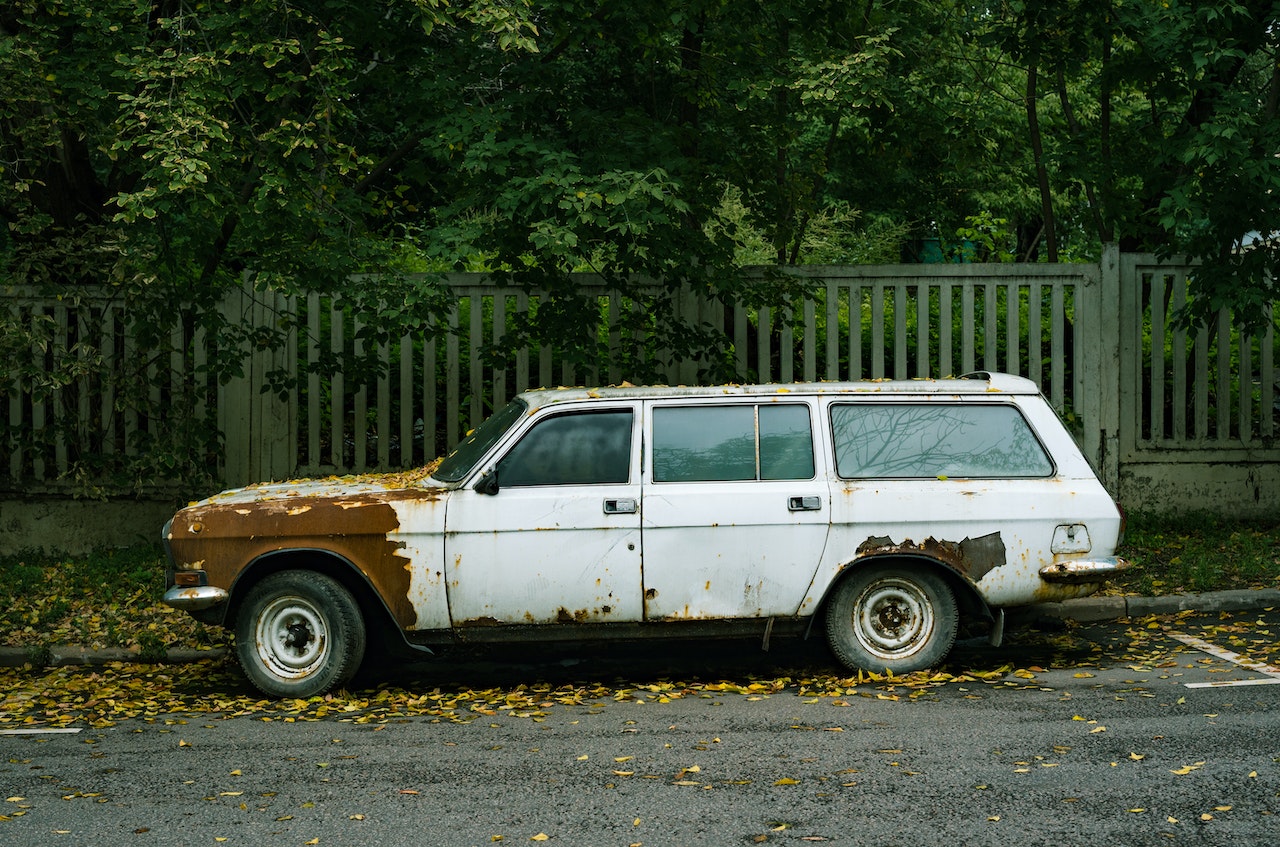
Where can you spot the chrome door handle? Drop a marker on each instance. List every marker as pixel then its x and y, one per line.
pixel 804 504
pixel 620 506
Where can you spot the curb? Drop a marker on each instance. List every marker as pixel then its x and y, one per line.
pixel 67 655
pixel 1094 609
pixel 1084 610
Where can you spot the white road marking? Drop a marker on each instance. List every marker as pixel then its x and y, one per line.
pixel 1270 671
pixel 39 731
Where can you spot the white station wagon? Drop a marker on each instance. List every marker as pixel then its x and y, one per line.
pixel 880 512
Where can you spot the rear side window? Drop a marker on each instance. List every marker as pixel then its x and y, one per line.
pixel 935 440
pixel 732 442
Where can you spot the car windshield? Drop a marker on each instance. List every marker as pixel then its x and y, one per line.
pixel 478 442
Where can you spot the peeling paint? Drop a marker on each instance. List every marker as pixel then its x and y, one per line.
pixel 239 528
pixel 973 557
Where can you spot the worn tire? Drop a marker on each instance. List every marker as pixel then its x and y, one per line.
pixel 900 618
pixel 299 634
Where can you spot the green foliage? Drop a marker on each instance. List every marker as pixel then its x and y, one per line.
pixel 164 150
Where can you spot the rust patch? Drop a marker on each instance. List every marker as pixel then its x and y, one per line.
pixel 481 621
pixel 227 537
pixel 973 557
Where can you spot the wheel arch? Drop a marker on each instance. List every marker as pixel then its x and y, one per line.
pixel 379 622
pixel 968 598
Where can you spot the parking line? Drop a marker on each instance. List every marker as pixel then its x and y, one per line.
pixel 39 731
pixel 1271 672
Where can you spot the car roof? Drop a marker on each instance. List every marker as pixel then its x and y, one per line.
pixel 982 382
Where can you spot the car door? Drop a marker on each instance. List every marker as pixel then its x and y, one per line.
pixel 558 539
pixel 736 509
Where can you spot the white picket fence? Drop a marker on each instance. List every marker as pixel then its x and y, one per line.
pixel 1097 338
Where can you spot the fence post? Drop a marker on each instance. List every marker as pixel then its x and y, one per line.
pixel 1105 377
pixel 259 428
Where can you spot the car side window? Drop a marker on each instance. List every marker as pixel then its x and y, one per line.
pixel 732 442
pixel 586 448
pixel 916 440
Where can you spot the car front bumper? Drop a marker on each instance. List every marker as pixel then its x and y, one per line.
pixel 192 598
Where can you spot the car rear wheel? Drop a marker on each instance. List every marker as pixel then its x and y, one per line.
pixel 299 634
pixel 892 617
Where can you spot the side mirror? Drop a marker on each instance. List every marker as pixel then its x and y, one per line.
pixel 488 483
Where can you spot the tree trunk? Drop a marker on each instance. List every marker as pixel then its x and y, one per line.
pixel 1042 175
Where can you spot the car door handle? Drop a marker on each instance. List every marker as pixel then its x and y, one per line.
pixel 804 504
pixel 621 506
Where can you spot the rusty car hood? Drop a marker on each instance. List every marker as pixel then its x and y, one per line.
pixel 377 523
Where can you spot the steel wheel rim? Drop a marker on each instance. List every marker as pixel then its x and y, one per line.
pixel 892 617
pixel 292 637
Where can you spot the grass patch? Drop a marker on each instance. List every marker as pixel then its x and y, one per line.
pixel 1197 552
pixel 111 598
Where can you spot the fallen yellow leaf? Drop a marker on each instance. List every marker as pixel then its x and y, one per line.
pixel 541 836
pixel 787 781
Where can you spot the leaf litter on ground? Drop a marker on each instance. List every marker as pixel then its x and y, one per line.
pixel 104 696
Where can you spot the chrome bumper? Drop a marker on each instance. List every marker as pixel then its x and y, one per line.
pixel 194 597
pixel 1083 570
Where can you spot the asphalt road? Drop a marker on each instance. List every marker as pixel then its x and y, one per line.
pixel 1113 734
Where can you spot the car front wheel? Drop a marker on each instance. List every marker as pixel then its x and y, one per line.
pixel 299 634
pixel 892 617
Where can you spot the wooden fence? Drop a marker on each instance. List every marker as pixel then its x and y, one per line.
pixel 1099 340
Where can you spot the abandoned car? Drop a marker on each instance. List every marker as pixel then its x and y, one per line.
pixel 880 513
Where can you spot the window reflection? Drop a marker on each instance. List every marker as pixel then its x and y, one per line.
pixel 952 440
pixel 575 449
pixel 786 443
pixel 720 443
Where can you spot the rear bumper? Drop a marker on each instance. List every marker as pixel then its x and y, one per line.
pixel 193 598
pixel 1083 570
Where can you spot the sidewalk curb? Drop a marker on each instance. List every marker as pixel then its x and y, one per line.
pixel 67 655
pixel 1084 610
pixel 1105 608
